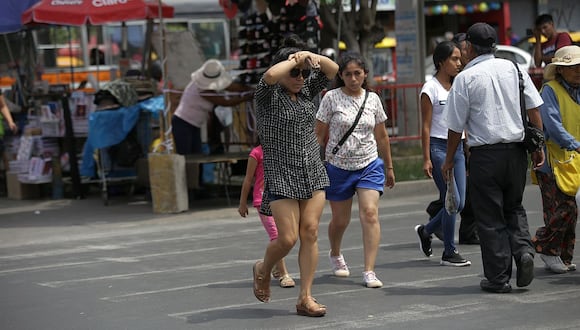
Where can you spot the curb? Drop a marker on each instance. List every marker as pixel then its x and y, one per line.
pixel 412 188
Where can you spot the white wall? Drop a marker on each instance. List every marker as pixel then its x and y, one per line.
pixel 565 13
pixel 522 16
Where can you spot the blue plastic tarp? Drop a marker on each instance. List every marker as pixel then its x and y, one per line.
pixel 110 127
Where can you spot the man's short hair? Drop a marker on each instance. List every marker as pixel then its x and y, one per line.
pixel 544 18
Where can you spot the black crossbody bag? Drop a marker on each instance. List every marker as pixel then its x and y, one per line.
pixel 534 137
pixel 347 134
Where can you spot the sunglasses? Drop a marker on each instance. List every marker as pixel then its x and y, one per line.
pixel 294 73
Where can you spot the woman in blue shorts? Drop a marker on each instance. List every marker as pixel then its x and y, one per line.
pixel 354 165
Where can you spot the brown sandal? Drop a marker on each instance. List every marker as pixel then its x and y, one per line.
pixel 310 307
pixel 262 295
pixel 286 281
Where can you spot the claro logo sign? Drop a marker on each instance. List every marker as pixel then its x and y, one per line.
pixel 96 3
pixel 66 2
pixel 103 3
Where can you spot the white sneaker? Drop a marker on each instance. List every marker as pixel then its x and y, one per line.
pixel 553 264
pixel 370 280
pixel 338 265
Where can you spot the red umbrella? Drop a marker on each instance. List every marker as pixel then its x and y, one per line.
pixel 79 12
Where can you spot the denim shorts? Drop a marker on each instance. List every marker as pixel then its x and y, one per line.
pixel 343 183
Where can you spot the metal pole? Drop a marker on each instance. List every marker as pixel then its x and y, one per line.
pixel 338 32
pixel 167 114
pixel 18 80
pixel 70 56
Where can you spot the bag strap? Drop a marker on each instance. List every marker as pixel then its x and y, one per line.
pixel 351 129
pixel 522 99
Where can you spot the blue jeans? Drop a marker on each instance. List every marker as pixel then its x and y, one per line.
pixel 442 218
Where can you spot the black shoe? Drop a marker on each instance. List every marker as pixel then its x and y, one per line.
pixel 424 240
pixel 495 287
pixel 454 259
pixel 525 270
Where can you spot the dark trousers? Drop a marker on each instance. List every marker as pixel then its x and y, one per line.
pixel 468 226
pixel 497 182
pixel 187 137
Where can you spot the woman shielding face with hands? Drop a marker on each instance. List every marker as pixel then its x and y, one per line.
pixel 294 174
pixel 292 73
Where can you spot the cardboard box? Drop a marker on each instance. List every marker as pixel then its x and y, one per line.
pixel 18 190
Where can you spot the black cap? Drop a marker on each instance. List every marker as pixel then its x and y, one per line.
pixel 482 34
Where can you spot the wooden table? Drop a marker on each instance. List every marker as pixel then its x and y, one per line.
pixel 223 165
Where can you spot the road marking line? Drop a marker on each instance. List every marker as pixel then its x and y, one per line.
pixel 131 296
pixel 221 265
pixel 181 315
pixel 540 297
pixel 410 313
pixel 52 266
pixel 57 284
pixel 91 248
pixel 124 246
pixel 59 252
pixel 102 260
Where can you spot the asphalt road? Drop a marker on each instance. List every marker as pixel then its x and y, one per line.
pixel 80 265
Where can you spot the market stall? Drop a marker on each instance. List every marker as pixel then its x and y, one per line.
pixel 87 13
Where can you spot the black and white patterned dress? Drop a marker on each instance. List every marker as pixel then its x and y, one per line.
pixel 292 164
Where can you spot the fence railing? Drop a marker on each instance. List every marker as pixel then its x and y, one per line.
pixel 402 103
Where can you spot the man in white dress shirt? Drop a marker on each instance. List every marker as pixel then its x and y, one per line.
pixel 484 101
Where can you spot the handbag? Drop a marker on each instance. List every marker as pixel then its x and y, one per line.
pixel 566 170
pixel 534 137
pixel 351 129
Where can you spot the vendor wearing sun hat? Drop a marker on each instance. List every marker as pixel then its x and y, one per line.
pixel 560 114
pixel 206 90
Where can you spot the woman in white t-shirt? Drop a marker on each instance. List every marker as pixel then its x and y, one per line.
pixel 354 166
pixel 447 60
